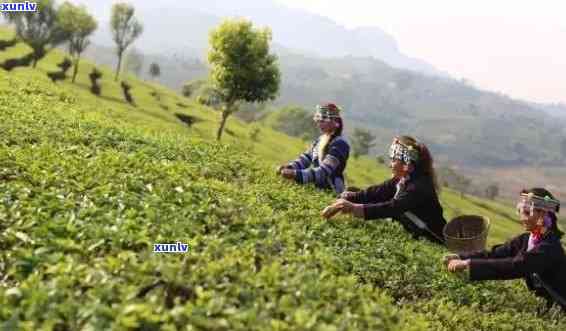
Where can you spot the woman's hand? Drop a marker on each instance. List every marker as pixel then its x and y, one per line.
pixel 344 205
pixel 283 166
pixel 449 257
pixel 456 265
pixel 329 212
pixel 348 207
pixel 288 173
pixel 347 195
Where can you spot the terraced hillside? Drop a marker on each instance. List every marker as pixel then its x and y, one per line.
pixel 89 184
pixel 159 109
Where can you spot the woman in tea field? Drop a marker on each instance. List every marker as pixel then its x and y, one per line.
pixel 324 162
pixel 409 197
pixel 537 255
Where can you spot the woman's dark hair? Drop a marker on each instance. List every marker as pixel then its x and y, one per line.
pixel 541 192
pixel 424 166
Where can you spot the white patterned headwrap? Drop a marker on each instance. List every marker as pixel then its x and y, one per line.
pixel 406 154
pixel 530 202
pixel 326 112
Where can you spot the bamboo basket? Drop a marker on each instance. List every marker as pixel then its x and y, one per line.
pixel 466 233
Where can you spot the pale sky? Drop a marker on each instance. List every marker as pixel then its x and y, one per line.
pixel 515 47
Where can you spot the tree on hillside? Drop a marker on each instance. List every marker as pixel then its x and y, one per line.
pixel 125 30
pixel 492 191
pixel 362 141
pixel 242 68
pixel 154 70
pixel 77 24
pixel 190 88
pixel 134 62
pixel 40 29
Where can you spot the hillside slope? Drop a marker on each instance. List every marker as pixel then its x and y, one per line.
pixel 463 125
pixel 85 195
pixel 89 184
pixel 160 109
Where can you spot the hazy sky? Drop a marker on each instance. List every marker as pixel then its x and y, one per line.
pixel 516 47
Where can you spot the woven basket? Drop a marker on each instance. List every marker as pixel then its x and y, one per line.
pixel 466 233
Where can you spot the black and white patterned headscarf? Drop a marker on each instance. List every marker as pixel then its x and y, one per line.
pixel 404 153
pixel 326 112
pixel 530 202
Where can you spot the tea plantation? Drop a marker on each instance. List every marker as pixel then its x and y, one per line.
pixel 89 184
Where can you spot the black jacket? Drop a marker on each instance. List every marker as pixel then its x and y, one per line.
pixel 511 260
pixel 418 196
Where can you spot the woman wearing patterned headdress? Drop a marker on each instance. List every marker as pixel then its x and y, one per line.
pixel 324 162
pixel 537 255
pixel 410 196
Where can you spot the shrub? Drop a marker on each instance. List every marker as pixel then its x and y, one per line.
pixel 127 95
pixel 24 61
pixel 7 43
pixel 94 76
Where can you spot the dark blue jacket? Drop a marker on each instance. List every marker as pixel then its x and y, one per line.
pixel 327 173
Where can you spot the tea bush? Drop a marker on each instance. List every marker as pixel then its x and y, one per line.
pixel 83 200
pixel 84 196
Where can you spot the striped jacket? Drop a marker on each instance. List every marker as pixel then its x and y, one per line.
pixel 327 173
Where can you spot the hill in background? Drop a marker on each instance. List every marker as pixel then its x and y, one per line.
pixel 195 19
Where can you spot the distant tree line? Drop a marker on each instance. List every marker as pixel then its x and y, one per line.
pixel 51 26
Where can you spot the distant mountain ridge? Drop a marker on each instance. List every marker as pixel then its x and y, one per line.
pixel 553 109
pixel 182 27
pixel 461 124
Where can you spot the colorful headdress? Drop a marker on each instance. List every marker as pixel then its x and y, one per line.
pixel 326 112
pixel 404 153
pixel 530 202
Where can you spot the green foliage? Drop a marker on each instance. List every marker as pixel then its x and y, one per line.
pixel 275 147
pixel 294 121
pixel 127 95
pixel 125 29
pixel 39 29
pixel 492 191
pixel 154 70
pixel 203 92
pixel 62 74
pixel 242 69
pixel 87 186
pixel 254 133
pixel 190 88
pixel 94 76
pixel 362 140
pixel 85 198
pixel 77 25
pixel 209 96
